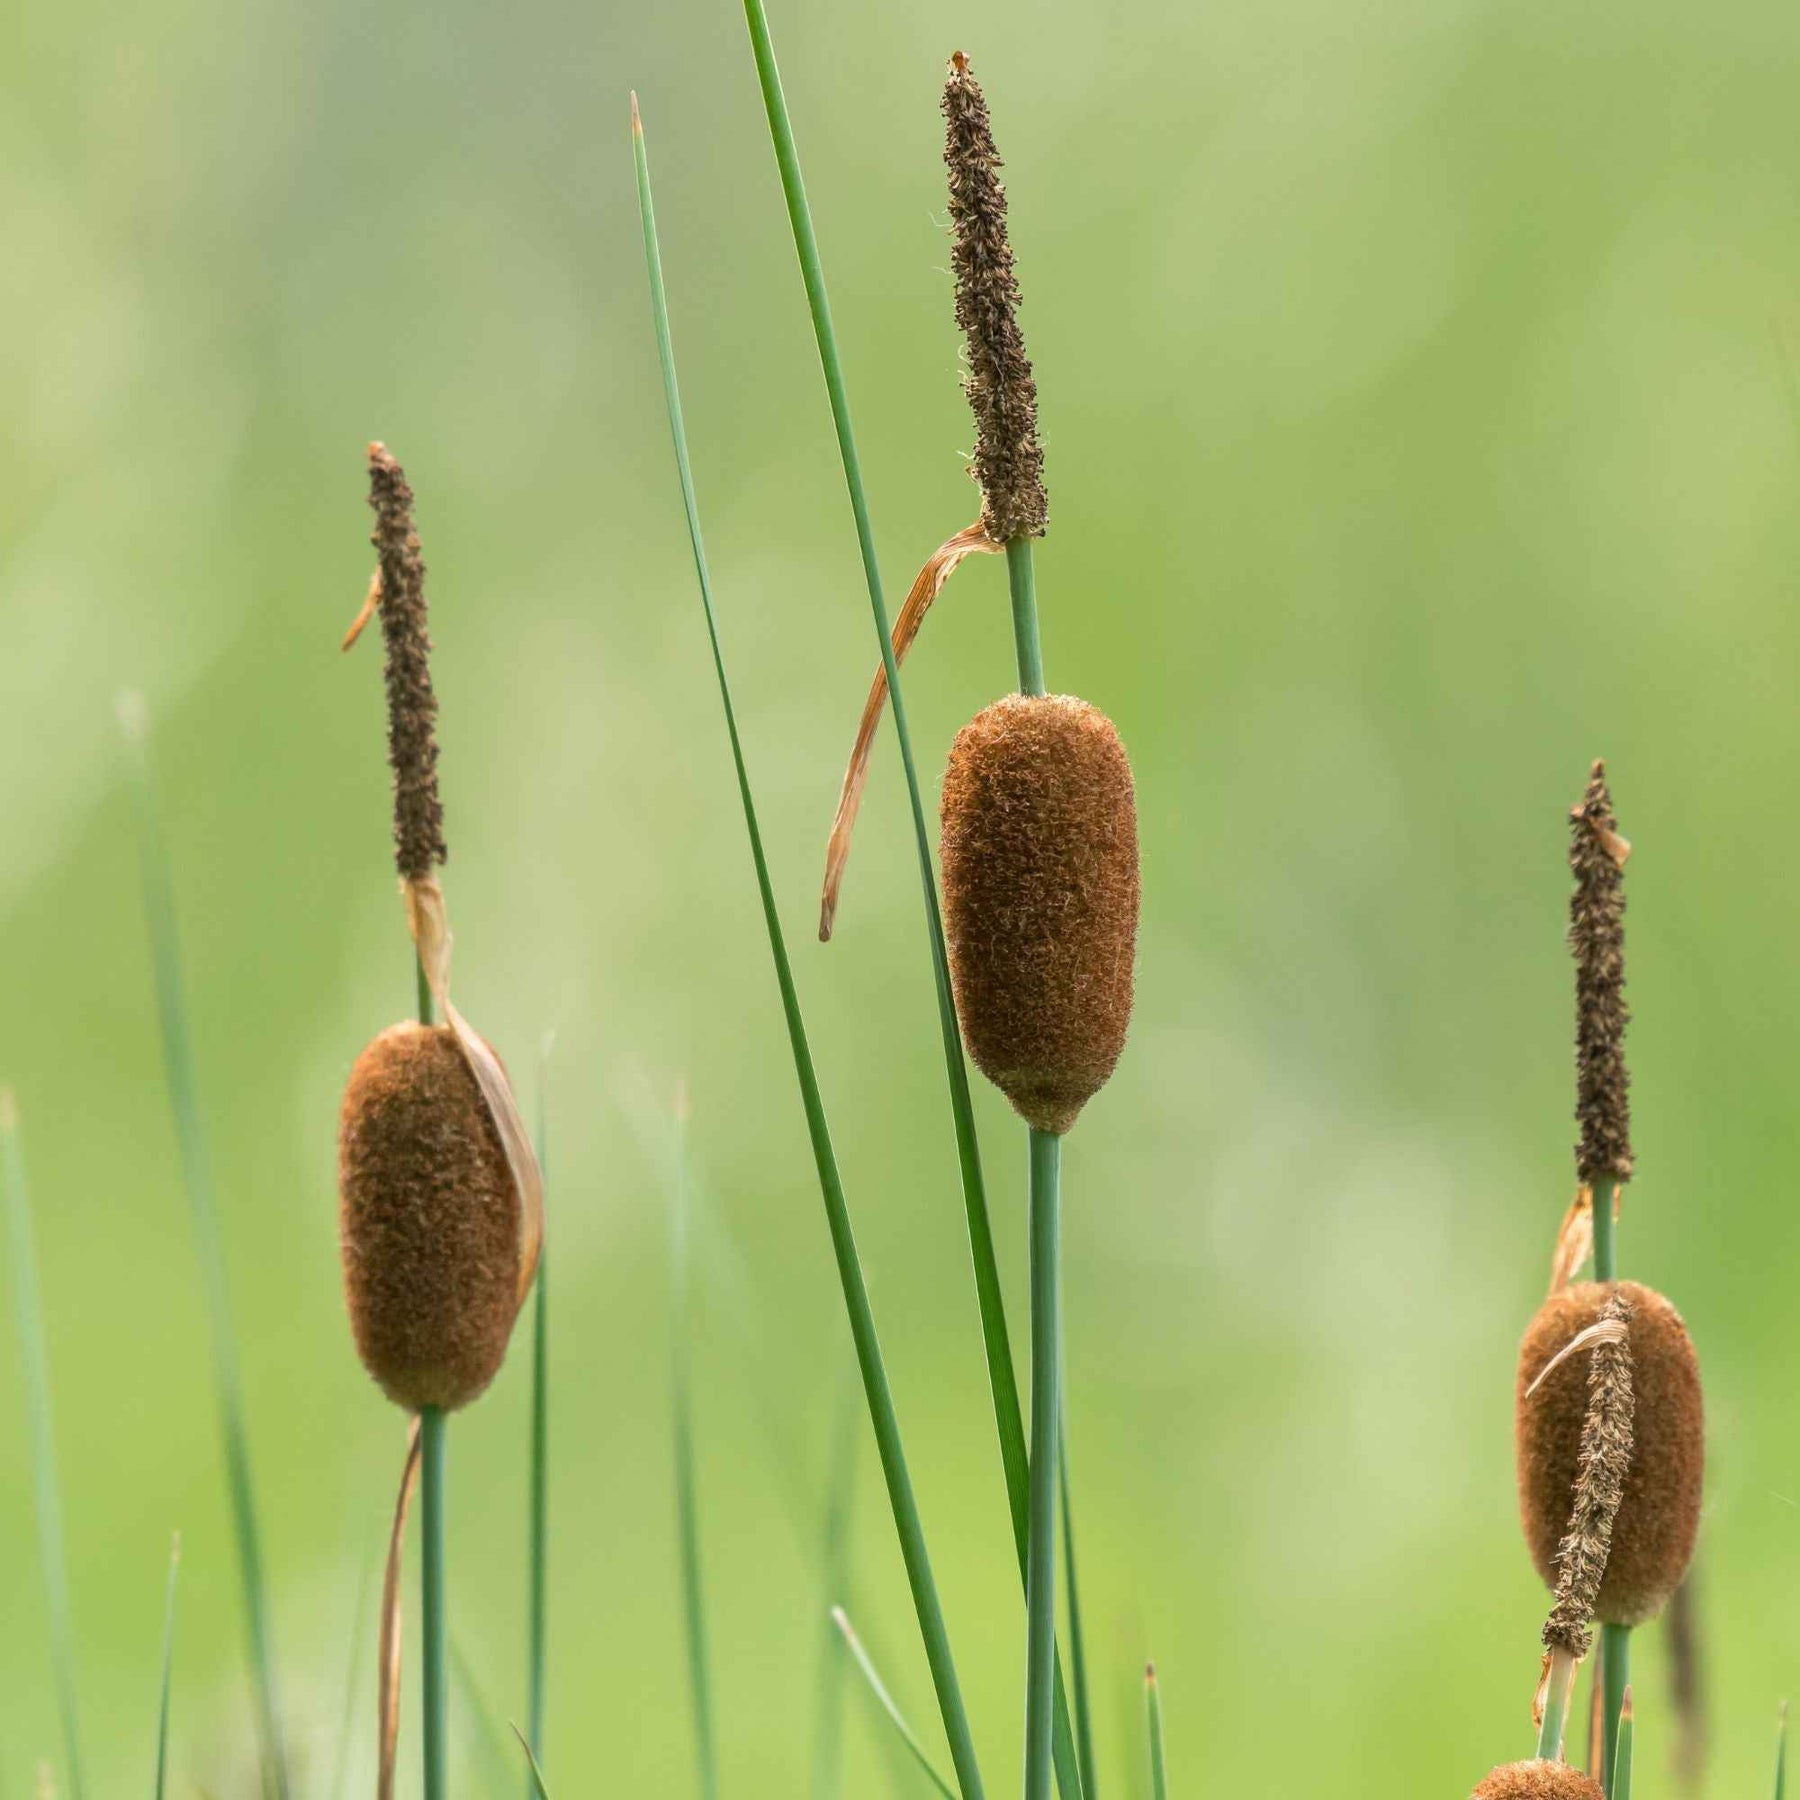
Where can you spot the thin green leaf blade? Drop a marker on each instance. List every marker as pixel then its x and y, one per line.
pixel 168 1662
pixel 886 1701
pixel 1084 1724
pixel 908 1527
pixel 537 1575
pixel 184 1105
pixel 1159 1777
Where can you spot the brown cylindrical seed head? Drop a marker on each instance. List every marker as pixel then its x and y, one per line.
pixel 1040 865
pixel 1538 1781
pixel 1597 940
pixel 428 1218
pixel 1659 1513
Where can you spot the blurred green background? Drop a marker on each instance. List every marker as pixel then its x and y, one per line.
pixel 1418 427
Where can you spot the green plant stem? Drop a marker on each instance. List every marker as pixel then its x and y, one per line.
pixel 1084 1723
pixel 907 1524
pixel 1046 1411
pixel 1781 1725
pixel 1606 1246
pixel 35 1356
pixel 1022 582
pixel 427 1011
pixel 1159 1777
pixel 538 1553
pixel 184 1103
pixel 1009 1421
pixel 168 1661
pixel 1557 1691
pixel 687 1508
pixel 434 1474
pixel 878 1688
pixel 1615 1667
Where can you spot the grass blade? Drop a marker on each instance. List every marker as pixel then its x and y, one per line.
pixel 828 1727
pixel 538 1555
pixel 485 1733
pixel 36 1361
pixel 882 1416
pixel 1781 1754
pixel 353 1664
pixel 1009 1418
pixel 885 1700
pixel 1084 1722
pixel 184 1104
pixel 537 1774
pixel 168 1661
pixel 1159 1777
pixel 687 1502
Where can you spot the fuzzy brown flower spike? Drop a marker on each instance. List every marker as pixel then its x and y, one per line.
pixel 412 706
pixel 1538 1781
pixel 1597 937
pixel 1600 1471
pixel 1009 463
pixel 1566 1473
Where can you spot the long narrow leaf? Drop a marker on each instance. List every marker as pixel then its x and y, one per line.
pixel 882 1416
pixel 885 1700
pixel 35 1358
pixel 687 1502
pixel 168 1661
pixel 1159 1778
pixel 1084 1722
pixel 1009 1418
pixel 537 1774
pixel 1781 1754
pixel 184 1104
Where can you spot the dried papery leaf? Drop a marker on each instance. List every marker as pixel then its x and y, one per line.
pixel 1607 1331
pixel 1541 1697
pixel 1574 1242
pixel 927 585
pixel 388 1657
pixel 370 601
pixel 429 921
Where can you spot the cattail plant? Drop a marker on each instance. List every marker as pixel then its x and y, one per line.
pixel 440 1198
pixel 1609 1467
pixel 1538 1780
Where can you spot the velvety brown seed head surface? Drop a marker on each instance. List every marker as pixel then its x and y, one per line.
pixel 1597 939
pixel 1601 1467
pixel 1008 461
pixel 1538 1781
pixel 412 706
pixel 1040 868
pixel 428 1218
pixel 1659 1512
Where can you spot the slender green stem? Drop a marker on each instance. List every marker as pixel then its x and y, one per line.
pixel 1615 1664
pixel 537 1774
pixel 423 989
pixel 538 1558
pixel 1159 1776
pixel 889 1706
pixel 687 1507
pixel 168 1662
pixel 434 1474
pixel 1606 1243
pixel 35 1356
pixel 902 1502
pixel 1026 642
pixel 1046 1410
pixel 1084 1723
pixel 1620 1787
pixel 1557 1691
pixel 1009 1420
pixel 1781 1754
pixel 184 1104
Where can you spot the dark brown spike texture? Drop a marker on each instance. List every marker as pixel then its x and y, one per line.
pixel 1002 391
pixel 1040 869
pixel 428 1219
pixel 412 706
pixel 1601 1467
pixel 1597 938
pixel 1538 1781
pixel 1658 1514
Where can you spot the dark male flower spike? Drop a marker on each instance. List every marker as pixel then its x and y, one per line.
pixel 412 706
pixel 1008 462
pixel 1597 937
